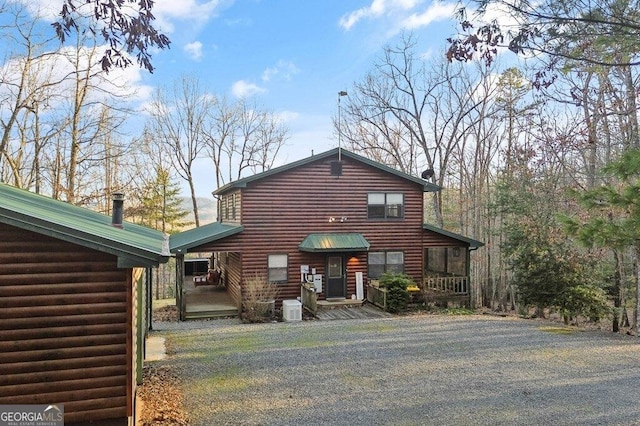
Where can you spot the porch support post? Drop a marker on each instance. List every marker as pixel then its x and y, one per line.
pixel 149 299
pixel 473 290
pixel 179 284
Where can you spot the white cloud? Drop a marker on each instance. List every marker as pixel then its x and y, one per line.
pixel 503 15
pixel 122 87
pixel 377 9
pixel 427 54
pixel 437 11
pixel 195 12
pixel 284 69
pixel 288 116
pixel 45 9
pixel 194 50
pixel 244 89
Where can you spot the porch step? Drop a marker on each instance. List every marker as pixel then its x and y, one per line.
pixel 338 303
pixel 223 313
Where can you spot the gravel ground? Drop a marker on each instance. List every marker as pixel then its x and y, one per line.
pixel 415 370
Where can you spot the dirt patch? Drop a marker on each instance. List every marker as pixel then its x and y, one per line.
pixel 161 393
pixel 166 313
pixel 162 398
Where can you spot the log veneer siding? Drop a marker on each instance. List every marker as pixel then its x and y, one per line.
pixel 279 211
pixel 65 327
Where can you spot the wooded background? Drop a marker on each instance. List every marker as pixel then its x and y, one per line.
pixel 536 152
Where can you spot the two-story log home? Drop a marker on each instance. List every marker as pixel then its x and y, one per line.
pixel 335 219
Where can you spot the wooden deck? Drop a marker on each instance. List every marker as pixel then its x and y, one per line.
pixel 349 311
pixel 207 301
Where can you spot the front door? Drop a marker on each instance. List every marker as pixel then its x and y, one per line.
pixel 336 278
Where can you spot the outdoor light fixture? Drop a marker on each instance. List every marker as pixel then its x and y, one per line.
pixel 340 219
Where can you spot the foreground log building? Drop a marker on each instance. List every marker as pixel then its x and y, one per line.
pixel 71 306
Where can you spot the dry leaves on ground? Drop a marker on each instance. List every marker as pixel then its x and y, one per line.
pixel 167 313
pixel 163 401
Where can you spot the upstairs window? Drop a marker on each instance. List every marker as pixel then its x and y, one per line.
pixel 385 205
pixel 227 209
pixel 233 207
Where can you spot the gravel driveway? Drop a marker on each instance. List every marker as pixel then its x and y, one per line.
pixel 416 370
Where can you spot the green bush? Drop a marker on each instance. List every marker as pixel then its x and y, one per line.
pixel 397 295
pixel 588 301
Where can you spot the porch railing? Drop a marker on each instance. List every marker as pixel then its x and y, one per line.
pixel 457 285
pixel 377 296
pixel 309 298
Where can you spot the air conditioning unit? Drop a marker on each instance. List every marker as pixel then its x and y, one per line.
pixel 291 310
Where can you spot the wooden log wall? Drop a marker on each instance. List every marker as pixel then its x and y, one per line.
pixel 65 327
pixel 279 211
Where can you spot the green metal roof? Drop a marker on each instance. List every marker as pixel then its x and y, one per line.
pixel 134 245
pixel 472 243
pixel 241 183
pixel 334 242
pixel 183 241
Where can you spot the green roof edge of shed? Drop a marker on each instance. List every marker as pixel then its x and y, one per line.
pixel 134 244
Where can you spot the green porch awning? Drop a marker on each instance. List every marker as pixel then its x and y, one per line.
pixel 334 242
pixel 184 241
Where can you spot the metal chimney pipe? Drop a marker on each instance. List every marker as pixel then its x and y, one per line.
pixel 118 209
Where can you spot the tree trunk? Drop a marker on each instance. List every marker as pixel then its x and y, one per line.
pixel 636 271
pixel 615 326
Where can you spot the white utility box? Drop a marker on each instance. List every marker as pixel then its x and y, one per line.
pixel 291 310
pixel 317 282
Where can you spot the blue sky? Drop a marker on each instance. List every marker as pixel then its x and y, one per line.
pixel 291 56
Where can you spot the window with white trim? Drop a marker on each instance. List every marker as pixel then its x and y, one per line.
pixel 380 262
pixel 385 205
pixel 277 268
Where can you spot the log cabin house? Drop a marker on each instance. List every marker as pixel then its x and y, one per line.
pixel 325 228
pixel 71 306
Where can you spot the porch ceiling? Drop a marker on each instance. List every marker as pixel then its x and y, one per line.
pixel 334 242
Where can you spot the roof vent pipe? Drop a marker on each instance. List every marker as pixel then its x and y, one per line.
pixel 118 209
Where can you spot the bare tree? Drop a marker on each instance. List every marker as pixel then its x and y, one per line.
pixel 27 83
pixel 259 138
pixel 240 136
pixel 270 138
pixel 409 116
pixel 220 133
pixel 179 119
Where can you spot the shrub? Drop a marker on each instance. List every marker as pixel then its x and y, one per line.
pixel 397 294
pixel 584 300
pixel 258 298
